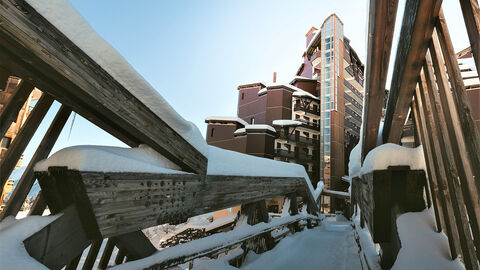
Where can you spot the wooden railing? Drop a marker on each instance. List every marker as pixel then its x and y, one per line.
pixel 426 80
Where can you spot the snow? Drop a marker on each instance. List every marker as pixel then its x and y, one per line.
pixel 67 19
pixel 12 232
pixel 329 246
pixel 110 159
pixel 220 222
pixel 239 131
pixel 390 154
pixel 336 192
pixel 259 127
pixel 422 247
pixel 226 118
pixel 285 122
pixel 262 91
pixel 209 243
pixel 225 162
pixel 355 160
pixel 252 83
pixel 369 248
pixel 318 190
pixel 304 94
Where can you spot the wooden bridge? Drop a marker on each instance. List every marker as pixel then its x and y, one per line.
pixel 98 205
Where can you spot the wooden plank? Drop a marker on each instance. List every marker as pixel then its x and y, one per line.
pixel 75 78
pixel 135 244
pixel 120 256
pixel 471 16
pixel 107 253
pixel 427 153
pixel 72 265
pixel 26 181
pixel 417 27
pixel 458 146
pixel 11 109
pixel 381 24
pixel 445 143
pixel 23 137
pixel 92 255
pixel 126 202
pixel 460 99
pixel 59 242
pixel 449 216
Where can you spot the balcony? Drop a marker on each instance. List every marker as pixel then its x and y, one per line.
pixel 299 107
pixel 309 125
pixel 286 155
pixel 315 55
pixel 299 139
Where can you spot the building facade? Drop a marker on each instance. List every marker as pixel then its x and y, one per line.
pixel 316 118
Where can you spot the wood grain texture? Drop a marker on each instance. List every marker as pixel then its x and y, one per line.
pixel 33 48
pixel 381 24
pixel 471 16
pixel 417 28
pixel 13 105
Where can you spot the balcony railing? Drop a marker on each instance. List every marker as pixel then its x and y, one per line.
pixel 299 107
pixel 297 155
pixel 309 125
pixel 299 139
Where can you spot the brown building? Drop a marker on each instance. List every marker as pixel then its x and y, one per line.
pixel 471 81
pixel 314 120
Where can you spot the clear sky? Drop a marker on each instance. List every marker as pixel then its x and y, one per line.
pixel 195 53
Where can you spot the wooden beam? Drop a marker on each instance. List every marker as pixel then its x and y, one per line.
pixel 26 181
pixel 76 80
pixel 449 216
pixel 38 206
pixel 471 16
pixel 465 172
pixel 72 265
pixel 107 253
pixel 460 99
pixel 10 111
pixel 135 244
pixel 92 255
pixel 417 27
pixel 381 24
pixel 23 137
pixel 59 242
pixel 458 203
pixel 126 202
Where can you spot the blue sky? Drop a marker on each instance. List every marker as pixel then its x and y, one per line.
pixel 195 53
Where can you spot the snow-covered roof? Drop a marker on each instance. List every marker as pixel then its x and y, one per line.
pixel 471 82
pixel 313 43
pixel 262 91
pixel 239 131
pixel 261 83
pixel 301 78
pixel 389 154
pixel 226 119
pixel 303 93
pixel 65 18
pixel 286 122
pixel 257 127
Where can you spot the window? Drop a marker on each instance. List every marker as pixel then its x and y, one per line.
pixel 243 96
pixel 297 116
pixel 279 145
pixel 252 121
pixel 211 132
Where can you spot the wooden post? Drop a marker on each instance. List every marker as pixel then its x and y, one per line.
pixel 120 256
pixel 439 175
pixel 458 146
pixel 460 99
pixel 72 265
pixel 38 206
pixel 26 181
pixel 432 178
pixel 23 138
pixel 458 204
pixel 13 106
pixel 471 16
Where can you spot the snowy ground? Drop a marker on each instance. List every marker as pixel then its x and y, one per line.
pixel 328 246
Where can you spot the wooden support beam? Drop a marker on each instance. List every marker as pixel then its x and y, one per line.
pixel 58 243
pixel 92 255
pixel 36 49
pixel 432 177
pixel 10 111
pixel 457 143
pixel 449 216
pixel 107 253
pixel 417 27
pixel 458 203
pixel 135 244
pixel 121 255
pixel 381 24
pixel 72 265
pixel 18 145
pixel 26 181
pixel 460 99
pixel 471 16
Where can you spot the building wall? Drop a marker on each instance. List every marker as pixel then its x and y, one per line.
pixel 251 105
pixel 279 105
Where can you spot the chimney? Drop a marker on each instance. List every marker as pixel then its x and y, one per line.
pixel 274 77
